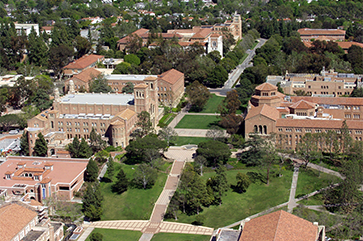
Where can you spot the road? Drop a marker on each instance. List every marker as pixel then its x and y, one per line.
pixel 236 73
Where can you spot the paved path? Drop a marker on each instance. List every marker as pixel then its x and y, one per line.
pixel 85 234
pixel 181 152
pixel 292 201
pixel 103 172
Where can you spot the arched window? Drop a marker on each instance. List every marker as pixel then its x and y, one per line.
pixel 52 124
pixel 255 129
pixel 260 129
pixel 265 130
pixel 152 85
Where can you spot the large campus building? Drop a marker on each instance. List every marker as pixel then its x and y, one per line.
pixel 291 117
pixel 112 115
pixel 326 83
pixel 38 178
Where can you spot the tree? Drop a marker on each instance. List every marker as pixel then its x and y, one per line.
pixel 41 100
pixel 144 149
pixel 82 45
pixel 84 149
pixel 214 151
pixel 199 162
pixel 59 57
pixel 307 149
pixel 144 122
pixel 129 88
pixel 92 201
pixel 110 167
pixel 91 174
pixel 168 134
pixel 243 182
pixel 41 146
pixel 121 184
pixel 144 176
pixel 357 92
pixel 132 59
pixel 7 121
pixel 346 141
pixel 217 77
pixel 230 104
pixel 254 155
pixel 37 49
pixel 231 122
pixel 198 95
pixel 218 184
pixel 95 237
pixel 96 142
pixel 99 85
pixel 215 133
pixel 24 144
pixel 73 148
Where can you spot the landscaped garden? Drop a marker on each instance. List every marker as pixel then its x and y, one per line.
pixel 212 104
pixel 236 206
pixel 179 237
pixel 311 180
pixel 198 122
pixel 117 235
pixel 134 204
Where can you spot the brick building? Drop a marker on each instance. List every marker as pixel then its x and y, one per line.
pixel 114 116
pixel 292 116
pixel 38 178
pixel 81 64
pixel 19 221
pixel 327 83
pixel 308 34
pixel 82 80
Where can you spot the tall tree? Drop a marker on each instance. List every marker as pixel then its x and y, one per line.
pixel 121 184
pixel 73 147
pixel 144 176
pixel 92 201
pixel 144 123
pixel 110 167
pixel 96 142
pixel 200 162
pixel 243 182
pixel 218 184
pixel 215 152
pixel 82 45
pixel 24 144
pixel 59 56
pixel 99 85
pixel 84 149
pixel 198 95
pixel 41 146
pixel 91 171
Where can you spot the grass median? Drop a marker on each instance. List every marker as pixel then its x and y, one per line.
pixel 198 122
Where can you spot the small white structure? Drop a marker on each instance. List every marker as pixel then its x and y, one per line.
pixel 27 28
pixel 215 43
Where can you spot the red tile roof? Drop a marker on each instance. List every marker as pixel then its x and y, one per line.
pixel 266 86
pixel 351 101
pixel 84 61
pixel 87 75
pixel 309 31
pixel 302 104
pixel 138 32
pixel 264 110
pixel 171 76
pixel 13 218
pixel 347 45
pixel 279 226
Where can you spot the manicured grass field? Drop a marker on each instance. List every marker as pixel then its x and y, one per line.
pixel 117 235
pixel 179 237
pixel 212 104
pixel 197 122
pixel 317 199
pixel 310 180
pixel 237 206
pixel 134 204
pixel 185 140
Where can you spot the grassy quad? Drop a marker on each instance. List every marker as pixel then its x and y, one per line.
pixel 116 235
pixel 237 206
pixel 311 180
pixel 179 237
pixel 134 204
pixel 198 122
pixel 212 104
pixel 185 140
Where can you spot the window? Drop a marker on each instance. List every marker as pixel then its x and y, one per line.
pixel 358 132
pixel 308 130
pixel 347 116
pixel 280 129
pixel 288 130
pixel 356 116
pixel 298 130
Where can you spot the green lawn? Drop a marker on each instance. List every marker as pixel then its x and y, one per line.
pixel 212 104
pixel 117 235
pixel 179 237
pixel 185 140
pixel 317 199
pixel 311 180
pixel 134 204
pixel 197 122
pixel 237 206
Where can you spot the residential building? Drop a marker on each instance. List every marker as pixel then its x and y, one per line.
pixel 308 34
pixel 83 63
pixel 26 27
pixel 290 117
pixel 38 178
pixel 281 226
pixel 19 221
pixel 114 116
pixel 327 83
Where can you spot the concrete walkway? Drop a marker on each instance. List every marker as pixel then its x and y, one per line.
pixel 292 201
pixel 85 234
